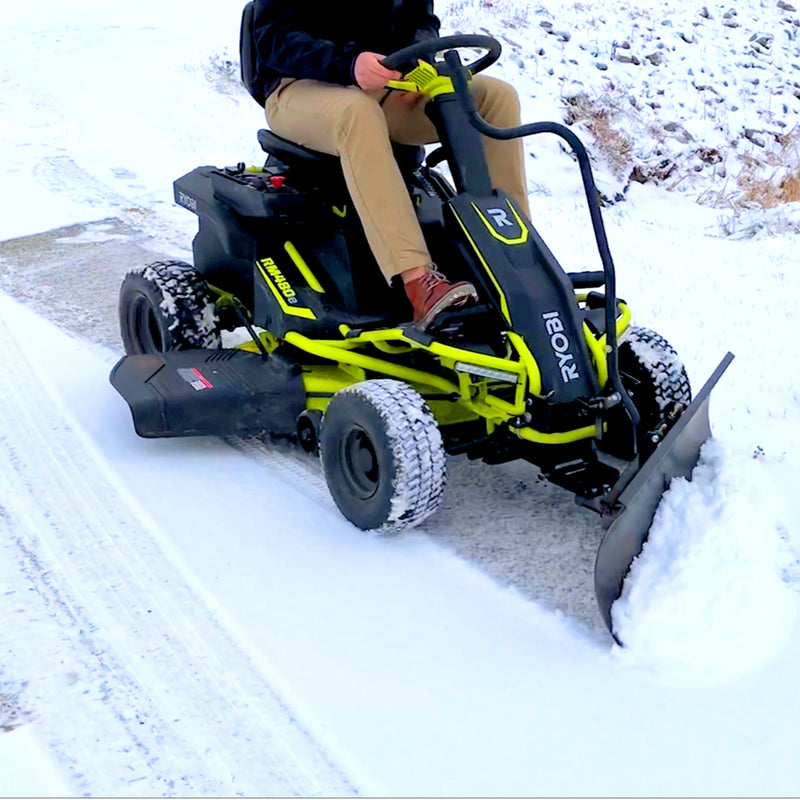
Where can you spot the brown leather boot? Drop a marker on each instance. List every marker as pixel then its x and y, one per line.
pixel 432 293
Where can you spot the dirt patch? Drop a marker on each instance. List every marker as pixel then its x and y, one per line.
pixel 12 712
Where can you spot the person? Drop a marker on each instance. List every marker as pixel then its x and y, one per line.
pixel 320 67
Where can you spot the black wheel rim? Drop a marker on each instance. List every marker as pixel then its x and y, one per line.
pixel 144 326
pixel 359 463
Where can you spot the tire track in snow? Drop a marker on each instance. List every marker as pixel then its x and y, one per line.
pixel 303 470
pixel 154 696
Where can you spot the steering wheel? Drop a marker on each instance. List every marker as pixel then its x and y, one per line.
pixel 427 50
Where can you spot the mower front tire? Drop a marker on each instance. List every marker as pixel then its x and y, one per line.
pixel 166 306
pixel 383 456
pixel 656 380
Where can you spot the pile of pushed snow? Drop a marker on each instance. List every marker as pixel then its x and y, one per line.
pixel 710 598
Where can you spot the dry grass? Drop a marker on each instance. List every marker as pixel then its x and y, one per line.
pixel 598 116
pixel 12 714
pixel 771 177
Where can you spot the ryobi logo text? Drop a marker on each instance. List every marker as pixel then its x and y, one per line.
pixel 187 201
pixel 269 269
pixel 561 346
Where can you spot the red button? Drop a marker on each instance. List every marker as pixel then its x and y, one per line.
pixel 277 181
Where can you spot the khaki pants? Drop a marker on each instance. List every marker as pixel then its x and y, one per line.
pixel 353 124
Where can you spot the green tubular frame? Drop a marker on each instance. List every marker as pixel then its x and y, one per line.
pixel 460 398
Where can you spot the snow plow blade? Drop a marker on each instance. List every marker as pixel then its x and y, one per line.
pixel 210 393
pixel 629 520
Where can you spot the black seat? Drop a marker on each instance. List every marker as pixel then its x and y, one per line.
pixel 292 154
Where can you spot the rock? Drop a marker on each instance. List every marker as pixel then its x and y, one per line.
pixel 709 155
pixel 761 42
pixel 626 58
pixel 729 18
pixel 688 38
pixel 656 59
pixel 704 13
pixel 548 26
pixel 784 6
pixel 601 66
pixel 678 131
pixel 756 137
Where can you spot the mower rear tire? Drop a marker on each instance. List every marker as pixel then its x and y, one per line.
pixel 382 455
pixel 167 306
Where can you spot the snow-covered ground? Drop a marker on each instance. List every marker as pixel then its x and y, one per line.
pixel 194 617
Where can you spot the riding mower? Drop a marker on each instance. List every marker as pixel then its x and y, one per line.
pixel 546 367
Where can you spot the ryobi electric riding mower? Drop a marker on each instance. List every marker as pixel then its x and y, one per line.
pixel 546 367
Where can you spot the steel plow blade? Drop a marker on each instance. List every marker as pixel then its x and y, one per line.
pixel 629 522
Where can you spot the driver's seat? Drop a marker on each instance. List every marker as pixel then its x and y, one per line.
pixel 409 157
pixel 295 155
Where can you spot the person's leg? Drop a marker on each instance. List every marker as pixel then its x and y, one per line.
pixel 498 104
pixel 347 122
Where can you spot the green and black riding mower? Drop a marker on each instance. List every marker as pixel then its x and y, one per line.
pixel 546 367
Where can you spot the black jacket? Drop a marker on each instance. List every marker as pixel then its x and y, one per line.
pixel 321 39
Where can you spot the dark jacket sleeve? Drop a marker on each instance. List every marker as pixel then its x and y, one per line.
pixel 428 24
pixel 285 48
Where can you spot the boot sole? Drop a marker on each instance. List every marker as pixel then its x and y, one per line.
pixel 456 298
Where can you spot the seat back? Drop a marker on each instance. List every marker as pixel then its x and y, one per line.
pixel 247 53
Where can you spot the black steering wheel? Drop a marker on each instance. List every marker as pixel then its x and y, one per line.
pixel 427 50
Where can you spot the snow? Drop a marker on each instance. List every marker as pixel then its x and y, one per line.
pixel 710 594
pixel 195 617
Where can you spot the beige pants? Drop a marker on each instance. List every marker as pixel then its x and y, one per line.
pixel 353 124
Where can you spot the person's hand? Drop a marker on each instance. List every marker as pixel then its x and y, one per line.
pixel 370 74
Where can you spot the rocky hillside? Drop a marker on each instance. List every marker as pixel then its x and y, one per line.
pixel 699 98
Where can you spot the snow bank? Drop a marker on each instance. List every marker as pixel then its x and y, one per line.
pixel 27 768
pixel 710 598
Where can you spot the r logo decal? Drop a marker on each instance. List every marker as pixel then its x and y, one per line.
pixel 500 217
